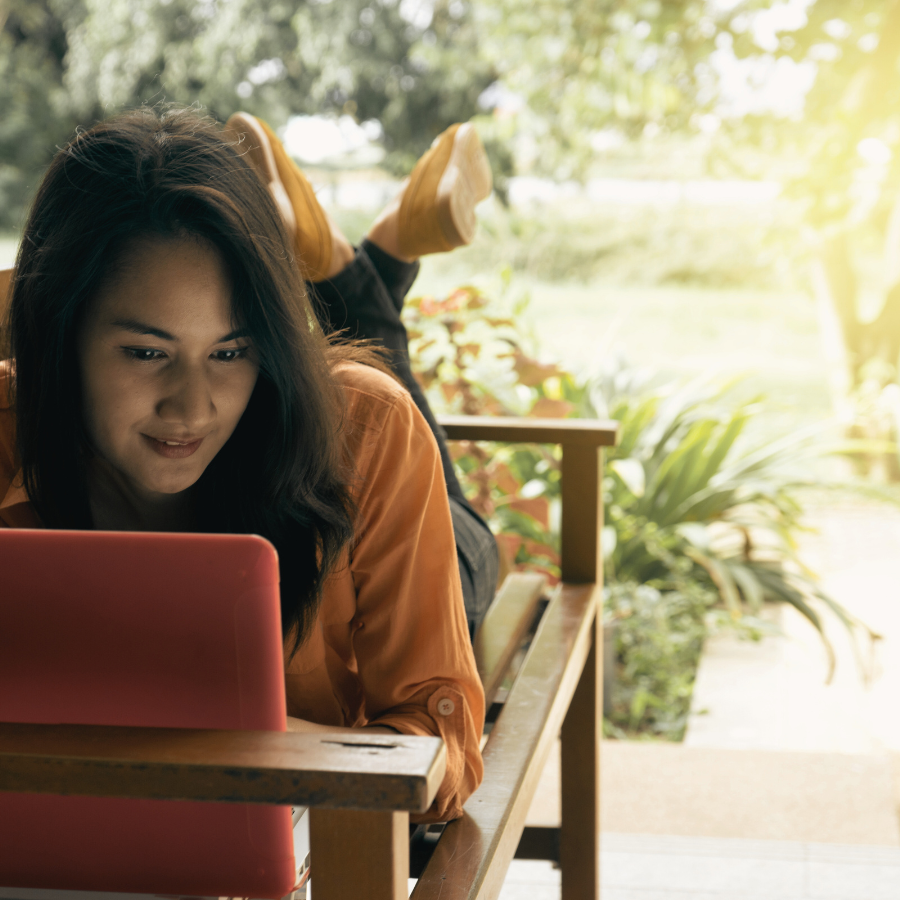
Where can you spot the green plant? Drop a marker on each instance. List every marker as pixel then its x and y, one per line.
pixel 686 244
pixel 686 504
pixel 657 640
pixel 473 356
pixel 700 532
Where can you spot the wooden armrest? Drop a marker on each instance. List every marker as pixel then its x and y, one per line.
pixel 337 771
pixel 574 432
pixel 472 856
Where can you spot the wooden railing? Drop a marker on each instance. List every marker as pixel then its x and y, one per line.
pixel 361 789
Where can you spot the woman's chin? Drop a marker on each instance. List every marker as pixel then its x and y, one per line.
pixel 171 488
pixel 166 484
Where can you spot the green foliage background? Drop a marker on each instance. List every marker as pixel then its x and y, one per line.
pixel 701 530
pixel 686 507
pixel 65 63
pixel 416 66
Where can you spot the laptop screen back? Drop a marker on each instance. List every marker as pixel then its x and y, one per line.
pixel 166 630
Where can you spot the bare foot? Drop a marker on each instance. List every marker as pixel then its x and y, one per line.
pixel 385 230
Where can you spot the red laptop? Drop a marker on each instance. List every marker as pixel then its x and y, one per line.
pixel 119 628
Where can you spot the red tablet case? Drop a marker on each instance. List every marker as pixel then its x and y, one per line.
pixel 120 628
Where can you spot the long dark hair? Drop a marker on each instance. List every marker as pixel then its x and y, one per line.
pixel 283 473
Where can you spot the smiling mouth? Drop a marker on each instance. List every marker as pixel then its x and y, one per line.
pixel 173 449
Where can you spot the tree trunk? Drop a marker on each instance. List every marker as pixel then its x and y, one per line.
pixel 834 285
pixel 851 344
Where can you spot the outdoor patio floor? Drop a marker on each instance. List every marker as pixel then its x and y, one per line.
pixel 785 788
pixel 682 823
pixel 649 867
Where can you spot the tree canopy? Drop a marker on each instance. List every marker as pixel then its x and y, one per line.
pixel 416 66
pixel 413 66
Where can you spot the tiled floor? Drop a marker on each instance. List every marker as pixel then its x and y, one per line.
pixel 654 867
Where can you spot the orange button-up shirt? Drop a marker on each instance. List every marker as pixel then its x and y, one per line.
pixel 391 645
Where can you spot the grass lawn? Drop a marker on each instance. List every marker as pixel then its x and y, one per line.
pixel 684 291
pixel 771 337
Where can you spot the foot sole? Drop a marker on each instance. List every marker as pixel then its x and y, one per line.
pixel 465 182
pixel 247 131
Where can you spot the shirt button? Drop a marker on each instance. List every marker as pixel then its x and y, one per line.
pixel 445 707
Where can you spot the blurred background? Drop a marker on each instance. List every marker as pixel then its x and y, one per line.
pixel 696 184
pixel 695 228
pixel 690 192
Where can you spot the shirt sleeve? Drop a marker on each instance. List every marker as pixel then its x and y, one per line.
pixel 411 640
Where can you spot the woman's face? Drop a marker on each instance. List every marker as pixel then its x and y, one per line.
pixel 166 373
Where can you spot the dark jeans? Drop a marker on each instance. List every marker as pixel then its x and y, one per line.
pixel 365 299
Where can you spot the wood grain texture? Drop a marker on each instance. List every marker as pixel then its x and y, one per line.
pixel 579 839
pixel 581 560
pixel 474 853
pixel 359 855
pixel 364 771
pixel 357 784
pixel 504 627
pixel 513 429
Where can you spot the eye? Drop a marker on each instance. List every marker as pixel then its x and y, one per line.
pixel 144 354
pixel 230 355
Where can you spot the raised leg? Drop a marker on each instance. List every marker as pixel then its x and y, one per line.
pixel 366 299
pixel 358 855
pixel 580 763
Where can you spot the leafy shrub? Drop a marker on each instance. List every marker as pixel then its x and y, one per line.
pixel 658 637
pixel 699 532
pixel 684 502
pixel 472 357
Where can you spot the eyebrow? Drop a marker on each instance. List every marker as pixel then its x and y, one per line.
pixel 135 327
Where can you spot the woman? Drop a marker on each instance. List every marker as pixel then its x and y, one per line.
pixel 166 373
pixel 361 291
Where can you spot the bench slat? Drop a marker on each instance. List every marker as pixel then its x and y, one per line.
pixel 504 628
pixel 515 429
pixel 338 771
pixel 474 853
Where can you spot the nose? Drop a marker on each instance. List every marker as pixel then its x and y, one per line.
pixel 187 401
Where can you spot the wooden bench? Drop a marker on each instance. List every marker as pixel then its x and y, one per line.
pixel 362 788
